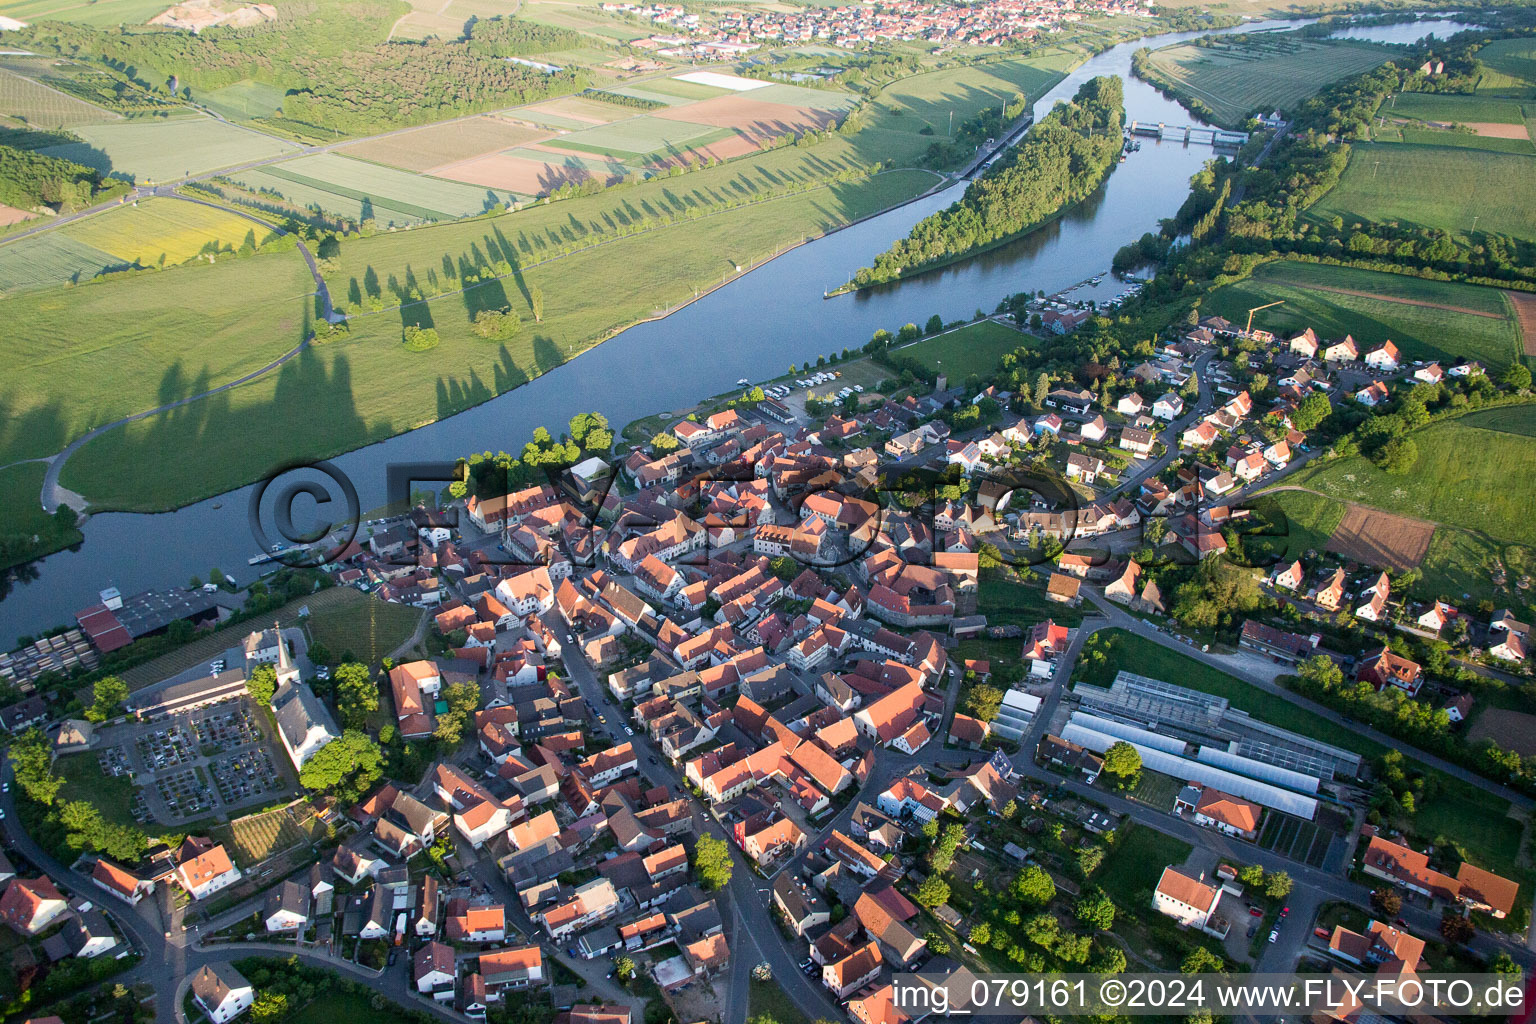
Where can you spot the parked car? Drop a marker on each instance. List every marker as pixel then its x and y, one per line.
pixel 1255 911
pixel 1274 935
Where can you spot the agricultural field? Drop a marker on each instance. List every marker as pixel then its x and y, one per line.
pixel 359 190
pixel 671 91
pixel 49 259
pixel 40 106
pixel 541 231
pixel 88 355
pixel 531 172
pixel 344 394
pixel 445 18
pixel 1511 68
pixel 1510 729
pixel 753 117
pixel 243 101
pixel 1431 320
pixel 976 348
pixel 928 101
pixel 101 13
pixel 166 149
pixel 1435 187
pixel 1458 562
pixel 164 232
pixel 1373 537
pixel 1237 79
pixel 1462 476
pixel 637 138
pixel 584 18
pixel 1470 122
pixel 436 145
pixel 571 113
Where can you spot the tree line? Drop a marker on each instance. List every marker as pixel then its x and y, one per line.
pixel 29 179
pixel 1062 159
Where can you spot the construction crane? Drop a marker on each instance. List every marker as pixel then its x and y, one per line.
pixel 1255 309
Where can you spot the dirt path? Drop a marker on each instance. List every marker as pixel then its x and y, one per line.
pixel 1524 304
pixel 1405 302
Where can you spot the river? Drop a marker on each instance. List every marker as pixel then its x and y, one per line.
pixel 754 328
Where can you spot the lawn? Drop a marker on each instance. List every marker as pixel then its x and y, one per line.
pixel 347 1006
pixel 86 356
pixel 348 393
pixel 23 516
pixel 164 232
pixel 1239 79
pixel 361 190
pixel 976 348
pixel 47 260
pixel 1435 187
pixel 166 149
pixel 1309 521
pixel 1474 821
pixel 1006 601
pixel 345 620
pixel 43 107
pixel 768 1000
pixel 84 780
pixel 1462 477
pixel 1132 868
pixel 1149 658
pixel 1374 312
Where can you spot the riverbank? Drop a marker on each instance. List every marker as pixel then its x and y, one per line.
pixel 766 320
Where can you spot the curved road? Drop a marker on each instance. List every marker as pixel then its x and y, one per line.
pixel 52 494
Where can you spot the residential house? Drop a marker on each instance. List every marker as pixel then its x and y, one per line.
pixel 30 905
pixel 222 992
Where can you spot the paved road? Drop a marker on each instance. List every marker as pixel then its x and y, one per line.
pixel 1261 674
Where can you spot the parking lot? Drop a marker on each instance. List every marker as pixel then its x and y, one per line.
pixel 213 760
